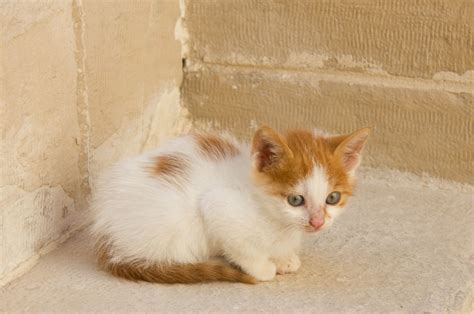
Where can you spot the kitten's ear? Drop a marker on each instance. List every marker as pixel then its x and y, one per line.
pixel 269 149
pixel 349 148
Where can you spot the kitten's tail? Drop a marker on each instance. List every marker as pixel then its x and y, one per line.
pixel 174 273
pixel 180 273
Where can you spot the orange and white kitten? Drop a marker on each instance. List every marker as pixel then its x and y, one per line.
pixel 205 207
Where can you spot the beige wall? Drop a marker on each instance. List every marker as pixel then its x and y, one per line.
pixel 402 67
pixel 82 84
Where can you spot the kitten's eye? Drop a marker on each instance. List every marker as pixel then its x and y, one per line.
pixel 296 200
pixel 333 198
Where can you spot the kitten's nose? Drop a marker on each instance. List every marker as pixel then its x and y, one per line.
pixel 316 222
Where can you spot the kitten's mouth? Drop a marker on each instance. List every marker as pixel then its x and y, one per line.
pixel 311 229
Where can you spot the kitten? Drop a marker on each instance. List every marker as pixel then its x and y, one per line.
pixel 204 207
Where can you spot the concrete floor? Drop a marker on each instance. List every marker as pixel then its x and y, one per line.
pixel 405 244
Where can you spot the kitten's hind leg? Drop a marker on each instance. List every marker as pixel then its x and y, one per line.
pixel 256 265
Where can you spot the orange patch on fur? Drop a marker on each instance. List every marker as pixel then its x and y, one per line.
pixel 215 147
pixel 170 167
pixel 168 273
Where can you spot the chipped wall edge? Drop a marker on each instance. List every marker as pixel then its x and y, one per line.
pixel 156 109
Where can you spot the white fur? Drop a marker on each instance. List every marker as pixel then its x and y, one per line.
pixel 315 189
pixel 318 186
pixel 219 212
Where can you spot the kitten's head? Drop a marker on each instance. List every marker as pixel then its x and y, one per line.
pixel 310 175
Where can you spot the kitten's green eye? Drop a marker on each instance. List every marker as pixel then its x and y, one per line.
pixel 333 198
pixel 296 200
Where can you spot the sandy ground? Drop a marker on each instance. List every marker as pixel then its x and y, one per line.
pixel 404 244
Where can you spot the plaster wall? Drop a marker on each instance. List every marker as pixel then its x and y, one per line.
pixel 403 67
pixel 82 84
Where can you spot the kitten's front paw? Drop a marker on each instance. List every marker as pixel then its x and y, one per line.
pixel 264 271
pixel 288 265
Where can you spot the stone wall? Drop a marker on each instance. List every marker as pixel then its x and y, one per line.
pixel 403 67
pixel 83 83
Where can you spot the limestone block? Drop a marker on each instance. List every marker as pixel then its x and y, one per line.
pixel 41 196
pixel 402 38
pixel 421 128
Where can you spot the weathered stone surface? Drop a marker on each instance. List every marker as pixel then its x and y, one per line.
pixel 402 37
pixel 424 127
pixel 82 84
pixel 40 191
pixel 134 70
pixel 126 64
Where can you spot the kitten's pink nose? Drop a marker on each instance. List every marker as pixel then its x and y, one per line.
pixel 316 222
